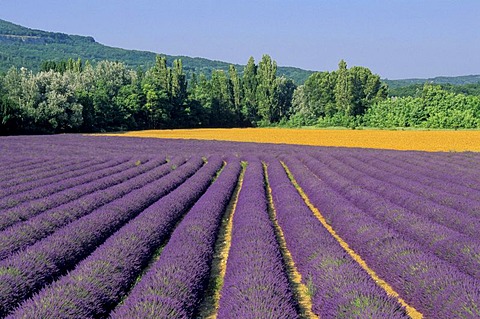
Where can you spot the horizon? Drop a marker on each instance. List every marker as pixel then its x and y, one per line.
pixel 398 40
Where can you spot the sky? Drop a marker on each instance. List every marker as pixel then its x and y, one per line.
pixel 394 38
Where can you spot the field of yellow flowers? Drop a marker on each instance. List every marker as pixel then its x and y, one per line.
pixel 395 140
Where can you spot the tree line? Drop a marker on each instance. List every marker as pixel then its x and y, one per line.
pixel 76 96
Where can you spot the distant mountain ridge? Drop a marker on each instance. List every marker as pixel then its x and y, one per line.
pixel 25 47
pixel 454 80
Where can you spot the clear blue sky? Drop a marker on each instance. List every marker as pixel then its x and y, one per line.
pixel 394 38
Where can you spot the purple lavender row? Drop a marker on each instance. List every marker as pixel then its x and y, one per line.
pixel 471 158
pixel 437 170
pixel 415 174
pixel 428 174
pixel 32 208
pixel 174 285
pixel 434 164
pixel 66 172
pixel 460 250
pixel 468 203
pixel 28 271
pixel 339 283
pixel 98 283
pixel 256 284
pixel 48 190
pixel 14 163
pixel 26 233
pixel 453 219
pixel 24 175
pixel 455 160
pixel 432 286
pixel 33 164
pixel 65 168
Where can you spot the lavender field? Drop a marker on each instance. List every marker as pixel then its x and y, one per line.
pixel 118 227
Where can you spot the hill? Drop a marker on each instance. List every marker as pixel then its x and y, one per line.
pixel 25 47
pixel 21 46
pixel 453 80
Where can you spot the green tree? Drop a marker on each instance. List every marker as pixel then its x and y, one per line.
pixel 320 94
pixel 58 109
pixel 10 118
pixel 101 85
pixel 158 92
pixel 366 89
pixel 267 100
pixel 222 112
pixel 237 94
pixel 250 83
pixel 178 94
pixel 343 90
pixel 301 114
pixel 285 89
pixel 200 101
pixel 160 73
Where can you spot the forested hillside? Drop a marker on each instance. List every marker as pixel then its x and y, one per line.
pixel 453 80
pixel 91 95
pixel 24 47
pixel 73 96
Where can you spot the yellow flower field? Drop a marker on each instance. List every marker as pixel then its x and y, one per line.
pixel 398 140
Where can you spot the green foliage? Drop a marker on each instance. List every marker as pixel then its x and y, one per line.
pixel 222 112
pixel 237 94
pixel 415 90
pixel 320 94
pixel 340 120
pixel 434 108
pixel 266 92
pixel 72 96
pixel 442 80
pixel 250 83
pixel 337 98
pixel 449 110
pixel 285 90
pixel 344 89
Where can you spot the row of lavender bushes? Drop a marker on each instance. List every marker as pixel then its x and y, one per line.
pixel 433 286
pixel 175 284
pixel 256 283
pixel 29 270
pixel 41 191
pixel 23 234
pixel 28 209
pixel 99 282
pixel 84 166
pixel 435 229
pixel 338 285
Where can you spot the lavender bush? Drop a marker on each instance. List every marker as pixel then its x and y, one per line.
pixel 256 284
pixel 175 284
pixel 100 280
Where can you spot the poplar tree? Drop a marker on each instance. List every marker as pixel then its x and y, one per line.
pixel 178 94
pixel 237 94
pixel 285 89
pixel 249 83
pixel 266 90
pixel 221 110
pixel 160 73
pixel 343 90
